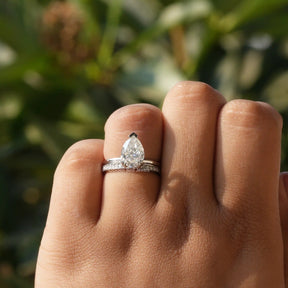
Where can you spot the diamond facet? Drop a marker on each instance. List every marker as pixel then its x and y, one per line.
pixel 132 154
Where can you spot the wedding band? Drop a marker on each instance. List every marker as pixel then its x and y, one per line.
pixel 132 158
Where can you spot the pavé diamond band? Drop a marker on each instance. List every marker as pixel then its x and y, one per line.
pixel 132 158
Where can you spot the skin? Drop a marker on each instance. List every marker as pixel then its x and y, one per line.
pixel 211 219
pixel 283 200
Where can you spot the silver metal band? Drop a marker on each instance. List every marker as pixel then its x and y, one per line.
pixel 116 164
pixel 132 159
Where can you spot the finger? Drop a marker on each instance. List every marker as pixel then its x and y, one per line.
pixel 125 192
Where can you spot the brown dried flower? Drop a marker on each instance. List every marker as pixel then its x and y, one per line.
pixel 63 30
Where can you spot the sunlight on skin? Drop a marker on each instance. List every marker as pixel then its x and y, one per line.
pixel 210 220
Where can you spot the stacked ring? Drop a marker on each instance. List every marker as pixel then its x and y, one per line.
pixel 132 158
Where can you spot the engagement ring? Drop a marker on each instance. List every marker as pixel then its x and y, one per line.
pixel 132 158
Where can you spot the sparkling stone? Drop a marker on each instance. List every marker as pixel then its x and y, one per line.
pixel 132 154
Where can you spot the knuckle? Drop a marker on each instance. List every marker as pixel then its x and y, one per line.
pixel 249 113
pixel 81 153
pixel 198 93
pixel 272 113
pixel 143 119
pixel 136 115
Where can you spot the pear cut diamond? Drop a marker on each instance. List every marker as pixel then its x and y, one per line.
pixel 132 154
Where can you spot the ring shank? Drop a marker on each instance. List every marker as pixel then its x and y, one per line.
pixel 115 164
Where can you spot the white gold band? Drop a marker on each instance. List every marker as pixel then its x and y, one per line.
pixel 116 164
pixel 132 159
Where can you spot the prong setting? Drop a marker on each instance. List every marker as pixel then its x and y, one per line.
pixel 132 154
pixel 132 158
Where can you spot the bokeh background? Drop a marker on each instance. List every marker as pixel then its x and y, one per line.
pixel 66 65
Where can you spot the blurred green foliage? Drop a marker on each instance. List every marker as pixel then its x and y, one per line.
pixel 66 65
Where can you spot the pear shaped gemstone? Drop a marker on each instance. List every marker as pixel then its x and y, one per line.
pixel 132 154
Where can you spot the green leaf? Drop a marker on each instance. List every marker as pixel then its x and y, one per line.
pixel 171 16
pixel 49 137
pixel 277 92
pixel 248 10
pixel 14 282
pixel 14 73
pixel 110 32
pixel 186 12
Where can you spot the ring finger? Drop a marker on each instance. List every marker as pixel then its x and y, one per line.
pixel 128 190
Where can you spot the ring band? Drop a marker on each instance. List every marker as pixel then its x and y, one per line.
pixel 132 158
